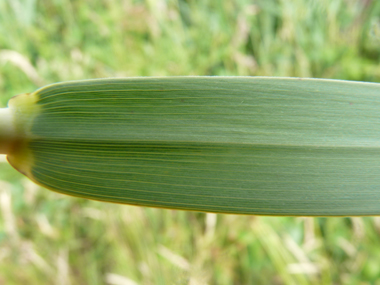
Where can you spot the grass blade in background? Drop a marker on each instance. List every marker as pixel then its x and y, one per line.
pixel 246 145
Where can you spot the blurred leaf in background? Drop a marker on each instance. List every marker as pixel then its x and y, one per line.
pixel 47 238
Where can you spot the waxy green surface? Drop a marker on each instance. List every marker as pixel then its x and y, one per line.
pixel 243 145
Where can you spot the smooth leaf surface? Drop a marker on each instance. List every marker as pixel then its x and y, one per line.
pixel 246 145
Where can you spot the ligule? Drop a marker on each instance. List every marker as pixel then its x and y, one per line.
pixel 7 131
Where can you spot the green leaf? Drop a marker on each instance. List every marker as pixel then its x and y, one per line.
pixel 244 145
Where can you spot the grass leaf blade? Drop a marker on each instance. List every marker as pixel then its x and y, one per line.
pixel 245 145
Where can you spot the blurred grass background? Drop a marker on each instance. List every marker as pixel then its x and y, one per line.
pixel 47 238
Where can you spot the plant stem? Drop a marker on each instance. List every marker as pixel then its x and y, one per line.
pixel 7 131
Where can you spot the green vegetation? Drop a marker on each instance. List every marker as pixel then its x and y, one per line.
pixel 50 238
